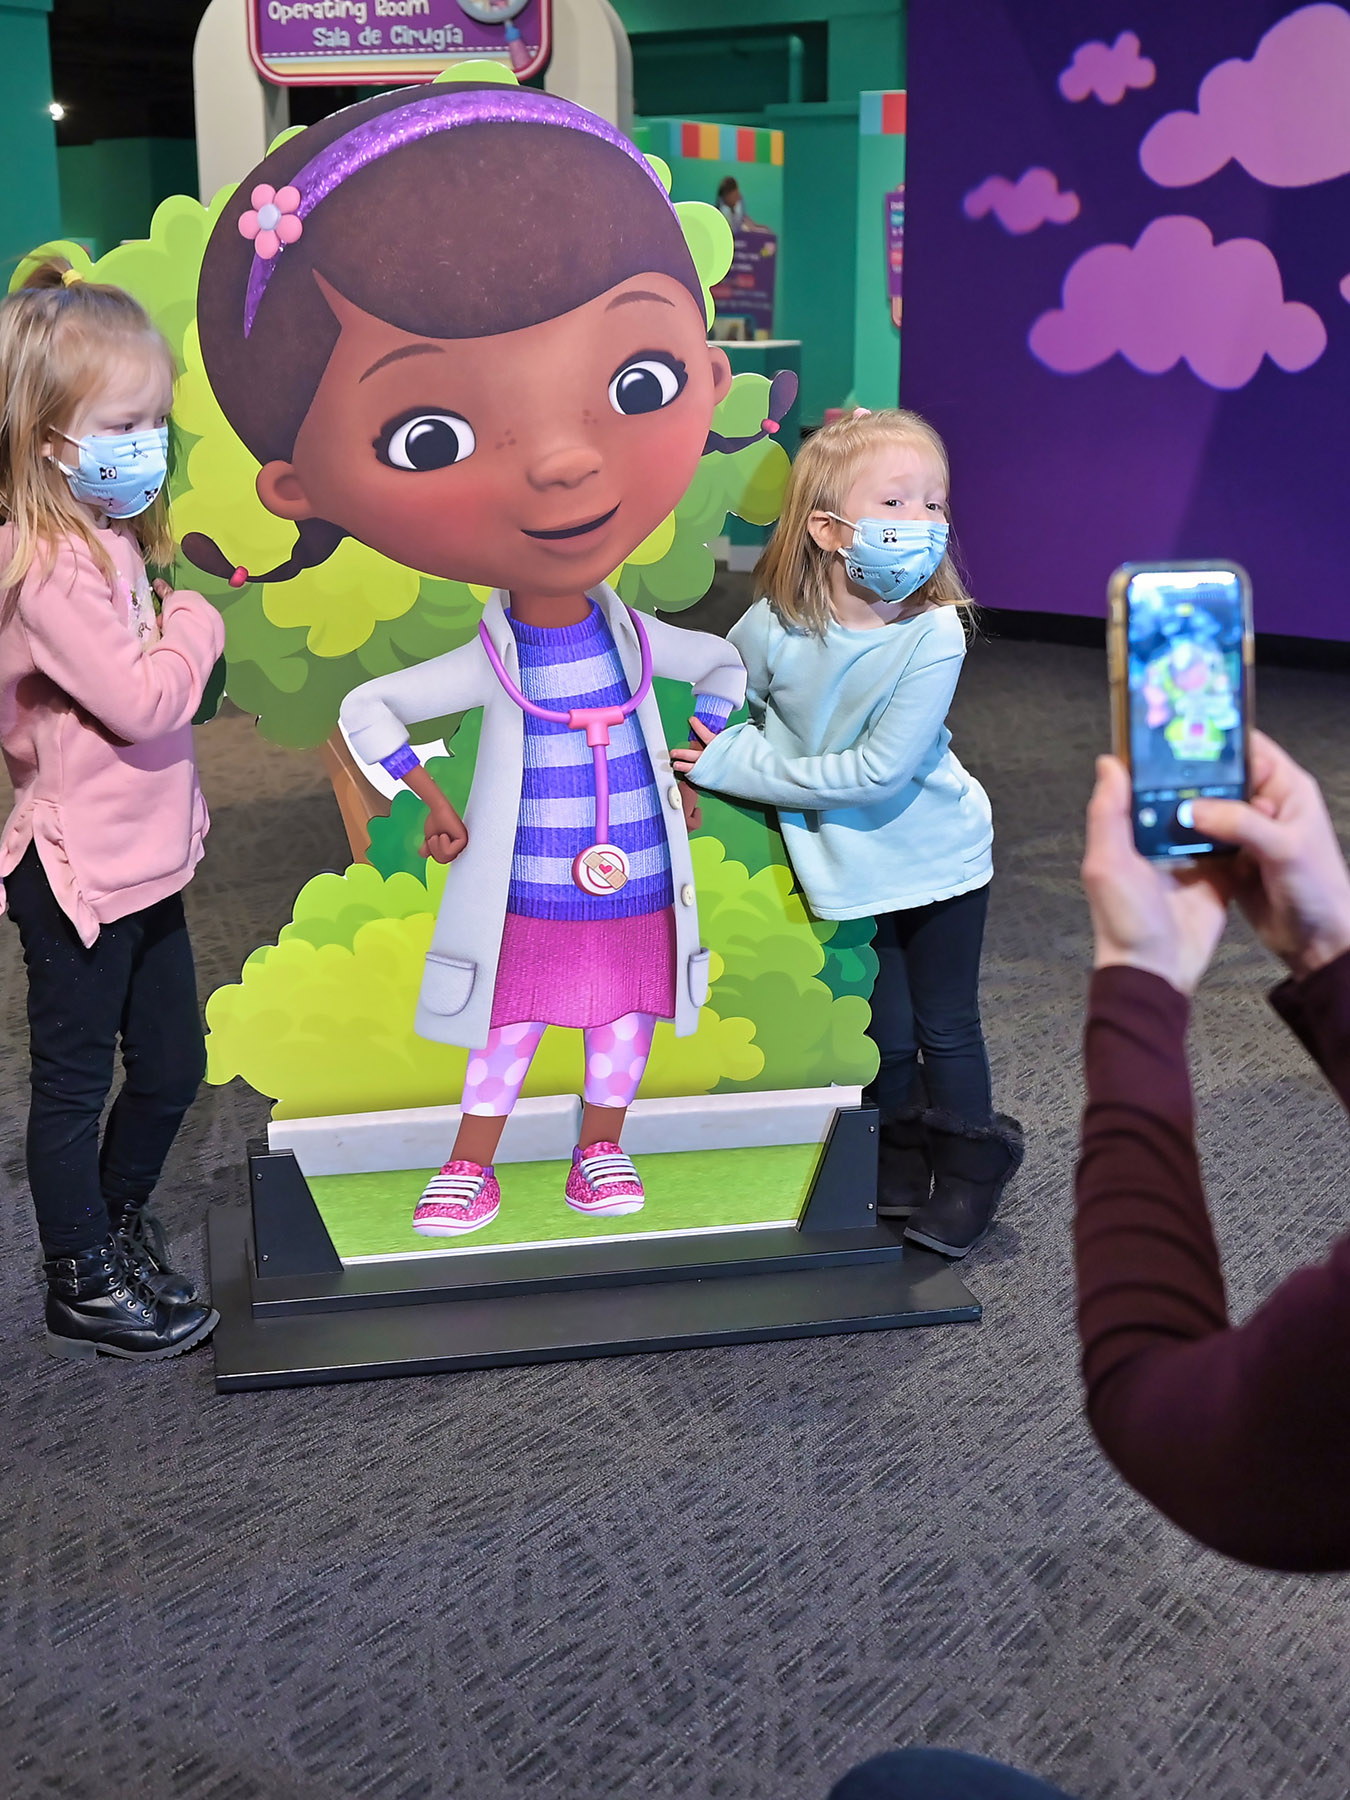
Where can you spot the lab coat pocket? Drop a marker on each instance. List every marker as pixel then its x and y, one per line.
pixel 699 971
pixel 447 983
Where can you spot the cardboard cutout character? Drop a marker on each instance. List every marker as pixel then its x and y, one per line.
pixel 1189 692
pixel 465 328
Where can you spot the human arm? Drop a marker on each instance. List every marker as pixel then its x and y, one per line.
pixel 1240 1435
pixel 76 638
pixel 879 765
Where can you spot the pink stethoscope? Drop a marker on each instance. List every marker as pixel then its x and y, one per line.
pixel 602 868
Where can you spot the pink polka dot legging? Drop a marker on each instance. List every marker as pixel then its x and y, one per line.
pixel 616 1058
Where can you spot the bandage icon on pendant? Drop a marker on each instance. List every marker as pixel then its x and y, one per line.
pixel 601 870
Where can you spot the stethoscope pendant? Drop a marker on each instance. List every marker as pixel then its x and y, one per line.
pixel 601 870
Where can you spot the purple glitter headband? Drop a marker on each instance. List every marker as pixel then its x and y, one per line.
pixel 405 125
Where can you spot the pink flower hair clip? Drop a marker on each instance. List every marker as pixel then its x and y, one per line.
pixel 273 221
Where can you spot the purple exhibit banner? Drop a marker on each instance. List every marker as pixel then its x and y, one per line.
pixel 895 250
pixel 1127 298
pixel 746 290
pixel 301 43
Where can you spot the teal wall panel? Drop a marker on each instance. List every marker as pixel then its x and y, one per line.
pixel 110 189
pixel 821 250
pixel 30 200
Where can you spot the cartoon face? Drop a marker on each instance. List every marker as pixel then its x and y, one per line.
pixel 534 460
pixel 1191 669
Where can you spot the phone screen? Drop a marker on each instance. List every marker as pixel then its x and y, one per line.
pixel 1187 702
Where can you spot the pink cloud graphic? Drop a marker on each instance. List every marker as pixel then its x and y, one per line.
pixel 1178 296
pixel 1107 70
pixel 1026 204
pixel 1284 116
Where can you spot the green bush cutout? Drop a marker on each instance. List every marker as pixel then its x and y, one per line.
pixel 322 1021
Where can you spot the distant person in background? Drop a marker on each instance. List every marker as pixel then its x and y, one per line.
pixel 732 205
pixel 1240 1434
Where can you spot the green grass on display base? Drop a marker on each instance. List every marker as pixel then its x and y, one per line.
pixel 687 1190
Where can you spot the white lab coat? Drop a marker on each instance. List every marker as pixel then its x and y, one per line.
pixel 455 1005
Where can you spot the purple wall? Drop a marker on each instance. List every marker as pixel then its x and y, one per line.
pixel 1181 398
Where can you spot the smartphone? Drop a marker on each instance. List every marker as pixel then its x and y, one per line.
pixel 1180 657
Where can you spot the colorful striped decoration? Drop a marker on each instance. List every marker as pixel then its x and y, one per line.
pixel 882 114
pixel 710 143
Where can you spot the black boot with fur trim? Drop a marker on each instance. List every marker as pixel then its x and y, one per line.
pixel 904 1167
pixel 972 1164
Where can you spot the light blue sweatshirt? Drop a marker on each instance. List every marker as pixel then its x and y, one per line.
pixel 846 737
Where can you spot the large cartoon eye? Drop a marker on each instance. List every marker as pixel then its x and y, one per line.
pixel 647 384
pixel 425 440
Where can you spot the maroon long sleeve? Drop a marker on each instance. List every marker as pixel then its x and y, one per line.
pixel 1241 1435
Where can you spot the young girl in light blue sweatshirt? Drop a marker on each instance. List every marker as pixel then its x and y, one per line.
pixel 853 654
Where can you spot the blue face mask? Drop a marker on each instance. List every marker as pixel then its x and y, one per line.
pixel 120 475
pixel 893 558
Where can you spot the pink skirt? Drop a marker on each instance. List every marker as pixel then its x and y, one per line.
pixel 582 972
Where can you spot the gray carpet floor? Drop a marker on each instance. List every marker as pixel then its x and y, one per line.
pixel 726 1573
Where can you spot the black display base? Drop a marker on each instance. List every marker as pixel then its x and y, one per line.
pixel 291 1314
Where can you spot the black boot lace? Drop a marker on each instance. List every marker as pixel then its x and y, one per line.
pixel 128 1281
pixel 141 1237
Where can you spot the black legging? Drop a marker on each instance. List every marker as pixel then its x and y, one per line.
pixel 927 999
pixel 136 980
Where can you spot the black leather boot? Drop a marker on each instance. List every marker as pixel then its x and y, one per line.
pixel 972 1164
pixel 140 1237
pixel 97 1304
pixel 904 1167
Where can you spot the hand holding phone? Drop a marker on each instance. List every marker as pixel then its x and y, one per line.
pixel 1166 918
pixel 1180 650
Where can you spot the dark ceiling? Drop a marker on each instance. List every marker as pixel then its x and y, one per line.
pixel 123 68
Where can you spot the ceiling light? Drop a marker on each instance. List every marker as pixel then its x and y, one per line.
pixel 57 110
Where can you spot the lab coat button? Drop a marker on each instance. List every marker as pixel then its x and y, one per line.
pixel 673 794
pixel 687 894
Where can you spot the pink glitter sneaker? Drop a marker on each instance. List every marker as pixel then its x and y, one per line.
pixel 463 1197
pixel 603 1181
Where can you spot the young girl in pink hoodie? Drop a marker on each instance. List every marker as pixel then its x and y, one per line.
pixel 98 688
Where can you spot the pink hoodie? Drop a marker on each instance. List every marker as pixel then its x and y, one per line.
pixel 96 704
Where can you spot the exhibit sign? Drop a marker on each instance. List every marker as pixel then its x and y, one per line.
pixel 895 250
pixel 306 43
pixel 746 291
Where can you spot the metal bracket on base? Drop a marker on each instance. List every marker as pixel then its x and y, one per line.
pixel 844 1194
pixel 289 1235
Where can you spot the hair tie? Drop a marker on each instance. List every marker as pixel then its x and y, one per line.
pixel 70 276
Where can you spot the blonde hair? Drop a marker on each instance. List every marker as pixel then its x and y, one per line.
pixel 794 571
pixel 58 333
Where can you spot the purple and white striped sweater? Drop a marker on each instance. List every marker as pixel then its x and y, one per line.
pixel 562 667
pixel 568 666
